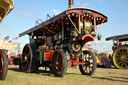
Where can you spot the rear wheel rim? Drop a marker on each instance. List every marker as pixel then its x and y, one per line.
pixel 26 58
pixel 1 66
pixel 120 58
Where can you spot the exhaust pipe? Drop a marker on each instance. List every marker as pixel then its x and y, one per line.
pixel 71 4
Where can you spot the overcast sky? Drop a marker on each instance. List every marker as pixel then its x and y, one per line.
pixel 26 12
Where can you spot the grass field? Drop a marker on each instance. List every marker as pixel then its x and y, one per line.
pixel 102 76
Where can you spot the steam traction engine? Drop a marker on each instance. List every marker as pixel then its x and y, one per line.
pixel 5 7
pixel 58 42
pixel 120 50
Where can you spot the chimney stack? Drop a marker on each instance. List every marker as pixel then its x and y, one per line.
pixel 71 4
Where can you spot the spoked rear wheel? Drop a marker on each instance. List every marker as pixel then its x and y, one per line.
pixel 120 57
pixel 28 60
pixel 59 63
pixel 3 64
pixel 89 59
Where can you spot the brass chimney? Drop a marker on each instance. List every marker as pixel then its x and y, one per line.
pixel 71 4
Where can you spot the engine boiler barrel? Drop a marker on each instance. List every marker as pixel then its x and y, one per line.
pixel 61 46
pixel 66 45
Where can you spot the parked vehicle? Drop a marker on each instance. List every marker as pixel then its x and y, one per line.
pixel 120 50
pixel 58 42
pixel 104 60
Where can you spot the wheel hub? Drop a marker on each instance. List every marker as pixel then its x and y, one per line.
pixel 57 63
pixel 124 58
pixel 87 63
pixel 25 58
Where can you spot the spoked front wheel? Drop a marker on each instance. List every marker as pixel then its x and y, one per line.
pixel 3 64
pixel 59 63
pixel 120 57
pixel 89 59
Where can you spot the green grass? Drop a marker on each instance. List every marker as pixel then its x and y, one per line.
pixel 72 77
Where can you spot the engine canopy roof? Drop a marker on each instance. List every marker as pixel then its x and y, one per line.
pixel 55 21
